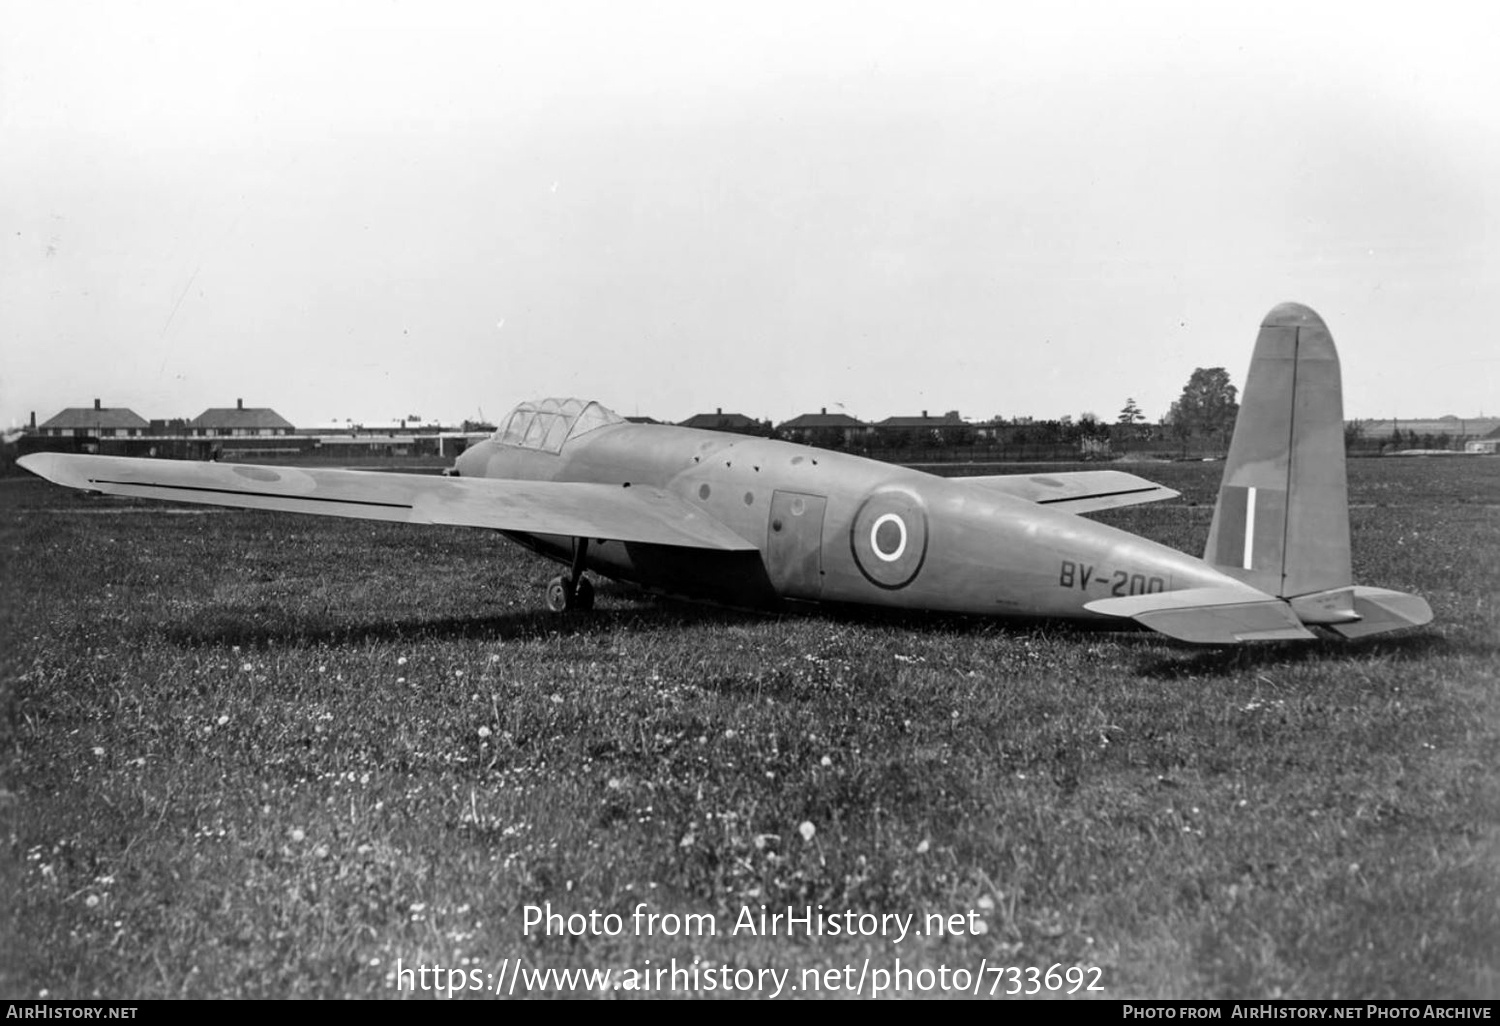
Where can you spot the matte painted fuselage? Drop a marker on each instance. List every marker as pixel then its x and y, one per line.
pixel 832 527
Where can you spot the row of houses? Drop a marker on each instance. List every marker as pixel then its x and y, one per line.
pixel 248 432
pixel 824 427
pixel 240 421
pixel 118 422
pixel 240 431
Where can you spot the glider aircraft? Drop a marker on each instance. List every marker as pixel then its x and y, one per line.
pixel 750 522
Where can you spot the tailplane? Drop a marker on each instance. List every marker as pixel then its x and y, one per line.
pixel 1282 520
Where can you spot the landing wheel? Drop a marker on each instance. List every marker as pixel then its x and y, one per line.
pixel 559 596
pixel 574 591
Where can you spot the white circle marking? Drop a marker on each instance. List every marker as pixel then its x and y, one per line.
pixel 875 544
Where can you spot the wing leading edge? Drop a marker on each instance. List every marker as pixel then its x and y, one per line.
pixel 580 509
pixel 1080 491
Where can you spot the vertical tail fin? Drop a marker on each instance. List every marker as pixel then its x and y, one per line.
pixel 1282 521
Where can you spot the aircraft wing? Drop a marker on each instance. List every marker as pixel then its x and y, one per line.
pixel 1080 491
pixel 583 510
pixel 1209 616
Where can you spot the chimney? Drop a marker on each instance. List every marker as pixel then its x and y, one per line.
pixel 239 404
pixel 96 404
pixel 719 410
pixel 825 411
pixel 924 414
pixel 33 420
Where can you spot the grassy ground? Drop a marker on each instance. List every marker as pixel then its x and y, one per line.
pixel 251 754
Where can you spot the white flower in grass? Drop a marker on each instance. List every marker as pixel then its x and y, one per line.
pixel 484 732
pixel 807 830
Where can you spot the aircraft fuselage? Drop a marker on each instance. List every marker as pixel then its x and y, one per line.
pixel 833 527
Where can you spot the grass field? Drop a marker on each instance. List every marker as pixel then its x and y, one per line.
pixel 250 754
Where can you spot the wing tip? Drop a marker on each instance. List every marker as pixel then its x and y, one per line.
pixel 43 464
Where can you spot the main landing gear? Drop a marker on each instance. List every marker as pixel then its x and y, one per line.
pixel 573 590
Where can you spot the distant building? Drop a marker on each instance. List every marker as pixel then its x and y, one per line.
pixel 405 427
pixel 99 422
pixel 238 422
pixel 949 419
pixel 922 429
pixel 997 430
pixel 721 421
pixel 1488 445
pixel 822 427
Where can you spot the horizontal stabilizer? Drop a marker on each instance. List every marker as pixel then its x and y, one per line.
pixel 580 510
pixel 1209 616
pixel 1381 610
pixel 1081 491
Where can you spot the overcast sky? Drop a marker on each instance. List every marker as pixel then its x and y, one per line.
pixel 369 210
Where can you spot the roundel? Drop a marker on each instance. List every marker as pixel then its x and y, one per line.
pixel 889 538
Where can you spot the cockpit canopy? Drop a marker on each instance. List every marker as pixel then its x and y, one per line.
pixel 546 424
